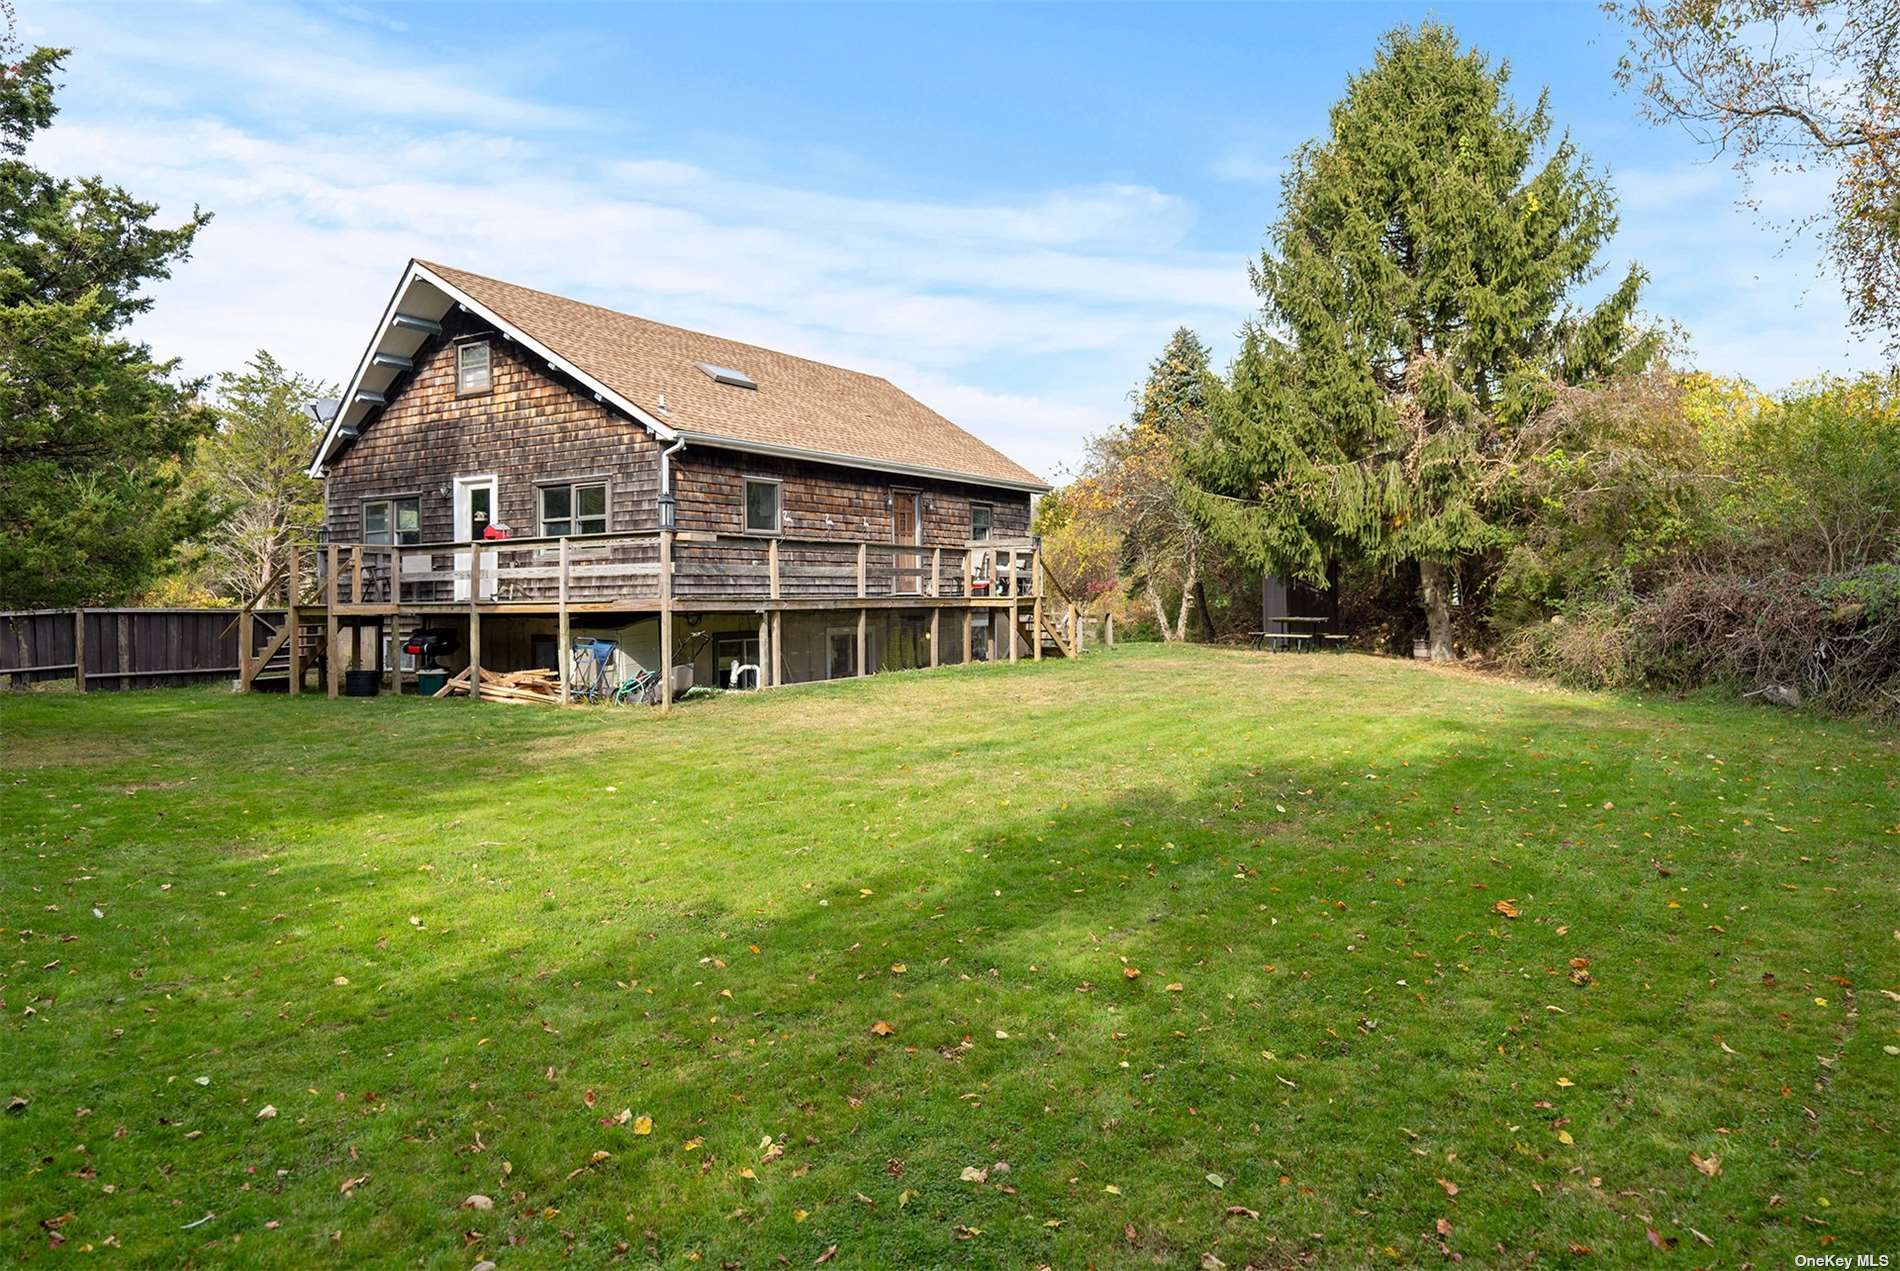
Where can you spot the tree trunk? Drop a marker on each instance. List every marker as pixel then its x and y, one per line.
pixel 1435 586
pixel 1207 614
pixel 1161 612
pixel 1190 587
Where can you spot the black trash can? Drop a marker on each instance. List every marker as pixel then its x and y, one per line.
pixel 361 683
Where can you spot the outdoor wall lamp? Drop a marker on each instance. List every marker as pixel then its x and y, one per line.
pixel 668 511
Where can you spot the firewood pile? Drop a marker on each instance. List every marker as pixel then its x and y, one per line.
pixel 538 686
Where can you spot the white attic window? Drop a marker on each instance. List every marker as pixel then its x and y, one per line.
pixel 726 375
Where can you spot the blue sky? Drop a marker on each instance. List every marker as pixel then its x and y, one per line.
pixel 1005 210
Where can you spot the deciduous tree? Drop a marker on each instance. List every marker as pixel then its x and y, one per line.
pixel 1789 85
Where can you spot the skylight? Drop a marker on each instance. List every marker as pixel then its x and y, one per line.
pixel 726 375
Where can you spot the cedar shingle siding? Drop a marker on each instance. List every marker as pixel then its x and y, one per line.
pixel 535 426
pixel 531 427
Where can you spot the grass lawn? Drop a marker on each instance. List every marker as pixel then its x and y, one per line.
pixel 449 943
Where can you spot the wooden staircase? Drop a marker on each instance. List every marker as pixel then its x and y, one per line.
pixel 273 667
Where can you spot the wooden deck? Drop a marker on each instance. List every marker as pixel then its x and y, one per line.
pixel 637 575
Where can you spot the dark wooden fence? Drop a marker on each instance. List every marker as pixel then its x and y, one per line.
pixel 119 648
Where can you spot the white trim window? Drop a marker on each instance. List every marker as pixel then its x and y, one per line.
pixel 762 511
pixel 982 519
pixel 387 521
pixel 474 372
pixel 576 508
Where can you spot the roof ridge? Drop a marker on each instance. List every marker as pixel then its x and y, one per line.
pixel 622 313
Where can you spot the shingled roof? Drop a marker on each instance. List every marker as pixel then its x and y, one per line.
pixel 799 407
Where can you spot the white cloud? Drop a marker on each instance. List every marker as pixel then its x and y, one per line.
pixel 1019 317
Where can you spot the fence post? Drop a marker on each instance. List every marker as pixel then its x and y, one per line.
pixel 79 650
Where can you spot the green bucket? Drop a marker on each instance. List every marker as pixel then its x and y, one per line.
pixel 430 682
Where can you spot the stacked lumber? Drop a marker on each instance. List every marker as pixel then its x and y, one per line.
pixel 539 686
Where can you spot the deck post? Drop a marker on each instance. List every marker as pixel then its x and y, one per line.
pixel 765 648
pixel 771 563
pixel 936 572
pixel 356 573
pixel 968 656
pixel 332 664
pixel 475 622
pixel 1015 608
pixel 1108 629
pixel 245 634
pixel 778 648
pixel 1035 588
pixel 293 589
pixel 395 620
pixel 666 620
pixel 861 558
pixel 563 657
pixel 936 630
pixel 79 649
pixel 863 616
pixel 1076 619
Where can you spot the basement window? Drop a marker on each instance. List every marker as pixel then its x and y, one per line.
pixel 761 505
pixel 397 521
pixel 473 374
pixel 580 508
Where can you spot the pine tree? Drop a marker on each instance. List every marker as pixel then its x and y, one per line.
pixel 93 431
pixel 1417 316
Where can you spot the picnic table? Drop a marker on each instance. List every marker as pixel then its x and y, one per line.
pixel 1287 639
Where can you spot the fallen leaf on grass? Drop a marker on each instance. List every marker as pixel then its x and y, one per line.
pixel 478 1201
pixel 1451 1188
pixel 1130 973
pixel 971 1174
pixel 1565 1082
pixel 1217 1180
pixel 351 1184
pixel 643 1125
pixel 1709 1165
pixel 1444 1226
pixel 1507 907
pixel 1241 1211
pixel 882 1029
pixel 826 1256
pixel 266 1112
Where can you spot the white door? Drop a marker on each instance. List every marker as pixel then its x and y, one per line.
pixel 474 512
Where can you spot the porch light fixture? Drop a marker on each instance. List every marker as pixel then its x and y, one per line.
pixel 668 511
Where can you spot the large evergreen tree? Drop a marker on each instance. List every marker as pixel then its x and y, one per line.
pixel 1417 316
pixel 93 431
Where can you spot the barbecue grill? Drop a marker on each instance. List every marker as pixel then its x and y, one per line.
pixel 430 643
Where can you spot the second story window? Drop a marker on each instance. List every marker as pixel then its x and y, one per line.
pixel 580 508
pixel 472 371
pixel 980 516
pixel 761 506
pixel 396 521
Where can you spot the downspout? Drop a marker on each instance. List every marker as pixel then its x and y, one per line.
pixel 666 465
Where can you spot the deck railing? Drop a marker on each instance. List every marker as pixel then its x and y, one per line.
pixel 604 570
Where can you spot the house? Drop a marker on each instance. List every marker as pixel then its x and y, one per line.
pixel 524 470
